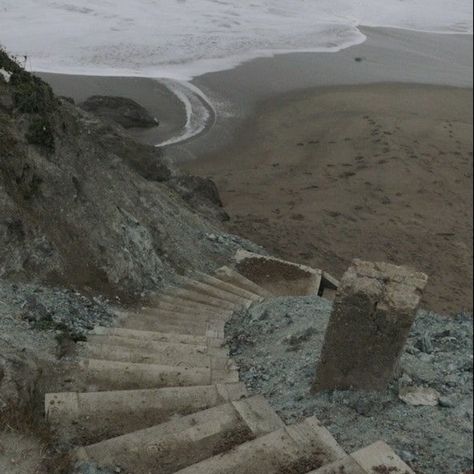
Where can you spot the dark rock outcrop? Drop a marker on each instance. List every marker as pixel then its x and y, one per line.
pixel 125 112
pixel 201 193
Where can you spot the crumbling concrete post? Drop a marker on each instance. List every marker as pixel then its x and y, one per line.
pixel 373 313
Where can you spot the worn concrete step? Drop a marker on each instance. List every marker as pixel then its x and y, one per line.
pixel 171 356
pixel 211 329
pixel 171 318
pixel 197 296
pixel 194 309
pixel 85 418
pixel 100 375
pixel 148 323
pixel 342 466
pixel 225 286
pixel 160 300
pixel 177 307
pixel 158 347
pixel 184 311
pixel 229 275
pixel 171 446
pixel 219 293
pixel 294 449
pixel 155 336
pixel 378 457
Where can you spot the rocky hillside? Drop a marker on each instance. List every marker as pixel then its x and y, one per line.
pixel 83 205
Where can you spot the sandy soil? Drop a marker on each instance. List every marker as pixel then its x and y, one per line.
pixel 380 172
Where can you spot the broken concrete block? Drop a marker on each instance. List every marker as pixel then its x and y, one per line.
pixel 283 278
pixel 373 313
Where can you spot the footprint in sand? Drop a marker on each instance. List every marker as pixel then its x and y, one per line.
pixel 347 174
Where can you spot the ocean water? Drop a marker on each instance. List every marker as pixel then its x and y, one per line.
pixel 180 39
pixel 177 40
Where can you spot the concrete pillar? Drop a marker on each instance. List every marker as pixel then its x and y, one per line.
pixel 373 313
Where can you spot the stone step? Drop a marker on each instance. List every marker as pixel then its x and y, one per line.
pixel 229 275
pixel 171 446
pixel 211 329
pixel 160 300
pixel 170 357
pixel 197 296
pixel 220 293
pixel 155 336
pixel 148 323
pixel 100 375
pixel 177 308
pixel 225 286
pixel 343 466
pixel 171 318
pixel 378 457
pixel 182 313
pixel 294 449
pixel 158 347
pixel 85 418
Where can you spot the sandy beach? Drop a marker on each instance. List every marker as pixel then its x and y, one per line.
pixel 380 172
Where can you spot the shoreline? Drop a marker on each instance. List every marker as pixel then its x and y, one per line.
pixel 388 55
pixel 427 58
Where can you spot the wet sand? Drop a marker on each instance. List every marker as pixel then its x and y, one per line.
pixel 388 55
pixel 380 172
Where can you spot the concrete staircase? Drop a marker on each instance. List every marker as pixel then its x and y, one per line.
pixel 159 394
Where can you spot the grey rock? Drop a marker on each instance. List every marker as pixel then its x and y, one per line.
pixel 425 357
pixel 34 311
pixel 363 407
pixel 407 456
pixel 426 344
pixel 447 402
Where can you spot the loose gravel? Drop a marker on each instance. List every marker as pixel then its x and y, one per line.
pixel 277 345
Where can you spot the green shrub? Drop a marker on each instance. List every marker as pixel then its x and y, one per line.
pixel 7 63
pixel 40 133
pixel 31 94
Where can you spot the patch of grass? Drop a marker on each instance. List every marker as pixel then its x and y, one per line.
pixel 31 94
pixel 40 132
pixel 7 63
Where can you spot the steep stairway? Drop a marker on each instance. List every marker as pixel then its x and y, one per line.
pixel 159 394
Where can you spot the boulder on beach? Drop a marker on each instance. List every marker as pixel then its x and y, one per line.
pixel 125 112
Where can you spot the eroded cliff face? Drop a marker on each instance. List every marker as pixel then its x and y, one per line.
pixel 82 204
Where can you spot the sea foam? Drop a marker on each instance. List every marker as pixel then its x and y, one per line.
pixel 181 39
